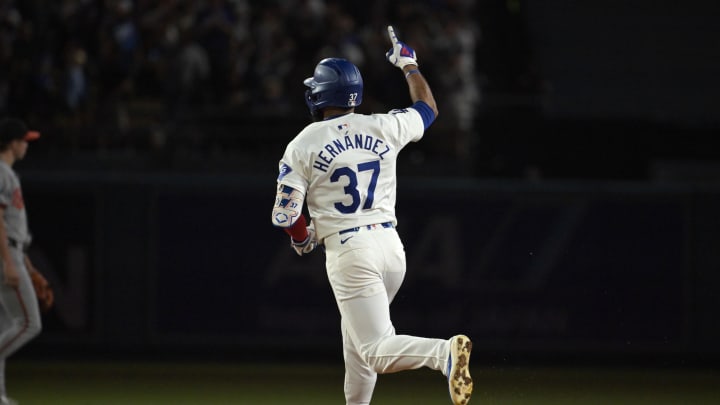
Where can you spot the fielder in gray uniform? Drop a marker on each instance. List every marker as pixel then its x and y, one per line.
pixel 343 166
pixel 19 309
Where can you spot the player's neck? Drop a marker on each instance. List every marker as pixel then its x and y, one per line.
pixel 332 112
pixel 8 157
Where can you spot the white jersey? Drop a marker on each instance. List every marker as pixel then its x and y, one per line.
pixel 345 167
pixel 11 199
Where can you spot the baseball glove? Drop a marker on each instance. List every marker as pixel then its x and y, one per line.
pixel 44 292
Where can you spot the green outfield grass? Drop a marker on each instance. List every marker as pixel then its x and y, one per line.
pixel 159 383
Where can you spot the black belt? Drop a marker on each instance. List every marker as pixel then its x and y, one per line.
pixel 368 227
pixel 15 244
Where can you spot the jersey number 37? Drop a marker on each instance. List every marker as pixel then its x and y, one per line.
pixel 352 187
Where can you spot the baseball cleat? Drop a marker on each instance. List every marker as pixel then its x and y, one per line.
pixel 460 383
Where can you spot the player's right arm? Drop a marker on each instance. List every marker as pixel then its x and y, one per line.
pixel 404 57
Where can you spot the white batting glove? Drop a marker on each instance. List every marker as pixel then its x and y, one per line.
pixel 400 54
pixel 307 245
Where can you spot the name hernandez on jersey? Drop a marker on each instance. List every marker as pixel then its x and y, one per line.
pixel 348 142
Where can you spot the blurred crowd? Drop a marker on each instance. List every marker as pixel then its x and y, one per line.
pixel 95 70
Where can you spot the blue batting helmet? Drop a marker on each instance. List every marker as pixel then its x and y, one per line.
pixel 336 82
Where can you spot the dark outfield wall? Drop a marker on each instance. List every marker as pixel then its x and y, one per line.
pixel 193 263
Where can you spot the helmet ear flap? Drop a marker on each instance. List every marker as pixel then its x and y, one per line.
pixel 310 100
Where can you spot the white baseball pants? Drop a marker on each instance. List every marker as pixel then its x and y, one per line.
pixel 19 313
pixel 365 273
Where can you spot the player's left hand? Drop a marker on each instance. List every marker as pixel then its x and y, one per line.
pixel 309 244
pixel 43 291
pixel 400 54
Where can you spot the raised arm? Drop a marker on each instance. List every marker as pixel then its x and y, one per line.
pixel 403 57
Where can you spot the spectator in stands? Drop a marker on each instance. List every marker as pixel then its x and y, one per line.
pixel 215 55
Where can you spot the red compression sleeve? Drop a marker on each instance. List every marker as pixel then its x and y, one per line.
pixel 298 231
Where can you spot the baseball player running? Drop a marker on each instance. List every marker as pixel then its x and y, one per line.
pixel 19 307
pixel 343 166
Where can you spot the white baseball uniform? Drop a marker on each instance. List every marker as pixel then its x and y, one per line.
pixel 345 167
pixel 19 312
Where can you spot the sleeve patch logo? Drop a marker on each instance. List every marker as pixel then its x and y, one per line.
pixel 284 170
